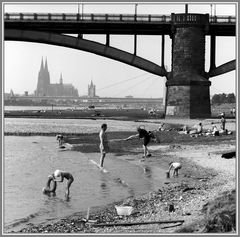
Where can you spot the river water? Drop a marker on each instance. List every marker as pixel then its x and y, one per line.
pixel 29 160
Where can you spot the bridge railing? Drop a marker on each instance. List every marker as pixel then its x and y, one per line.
pixel 191 18
pixel 178 18
pixel 222 19
pixel 85 17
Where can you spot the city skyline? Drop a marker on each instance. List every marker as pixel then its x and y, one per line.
pixel 112 78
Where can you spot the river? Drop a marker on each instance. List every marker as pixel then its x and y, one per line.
pixel 29 160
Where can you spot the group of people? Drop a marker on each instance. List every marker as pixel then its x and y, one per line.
pixel 142 134
pixel 198 128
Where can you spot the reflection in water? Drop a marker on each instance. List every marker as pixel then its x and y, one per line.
pixel 105 189
pixel 53 203
pixel 147 171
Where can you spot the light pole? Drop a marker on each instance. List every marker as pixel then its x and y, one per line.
pixel 135 36
pixel 136 8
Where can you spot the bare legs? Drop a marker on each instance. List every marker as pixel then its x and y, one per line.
pixel 145 151
pixel 69 182
pixel 175 173
pixel 103 154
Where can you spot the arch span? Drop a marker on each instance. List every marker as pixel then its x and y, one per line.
pixel 224 68
pixel 85 45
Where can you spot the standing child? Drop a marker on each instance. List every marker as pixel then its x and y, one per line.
pixel 104 148
pixel 175 166
pixel 143 134
pixel 223 121
pixel 62 175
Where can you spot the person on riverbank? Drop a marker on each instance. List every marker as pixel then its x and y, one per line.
pixel 175 166
pixel 104 148
pixel 198 130
pixel 223 121
pixel 145 136
pixel 214 131
pixel 63 174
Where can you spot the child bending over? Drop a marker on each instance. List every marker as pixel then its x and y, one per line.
pixel 175 166
pixel 63 174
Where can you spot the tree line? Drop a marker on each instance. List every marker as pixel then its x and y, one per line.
pixel 223 98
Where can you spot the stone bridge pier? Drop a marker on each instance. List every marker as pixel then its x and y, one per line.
pixel 188 85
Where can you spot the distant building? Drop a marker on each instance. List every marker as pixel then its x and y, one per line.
pixel 44 88
pixel 91 90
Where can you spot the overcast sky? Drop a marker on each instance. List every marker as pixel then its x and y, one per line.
pixel 22 60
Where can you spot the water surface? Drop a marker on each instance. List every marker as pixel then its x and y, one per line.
pixel 29 160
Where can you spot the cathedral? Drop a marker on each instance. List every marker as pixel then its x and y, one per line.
pixel 44 88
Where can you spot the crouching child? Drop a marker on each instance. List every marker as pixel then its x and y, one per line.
pixel 175 166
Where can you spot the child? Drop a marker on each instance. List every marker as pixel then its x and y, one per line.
pixel 176 166
pixel 60 140
pixel 142 133
pixel 47 189
pixel 104 148
pixel 62 175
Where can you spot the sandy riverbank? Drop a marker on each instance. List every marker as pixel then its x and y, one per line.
pixel 203 178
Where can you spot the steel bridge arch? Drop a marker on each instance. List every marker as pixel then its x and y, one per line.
pixel 85 45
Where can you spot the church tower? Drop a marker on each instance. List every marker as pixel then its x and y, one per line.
pixel 91 90
pixel 43 80
pixel 47 75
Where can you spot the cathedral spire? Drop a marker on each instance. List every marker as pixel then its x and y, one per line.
pixel 42 66
pixel 46 65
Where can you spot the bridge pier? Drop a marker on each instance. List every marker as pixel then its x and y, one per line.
pixel 188 85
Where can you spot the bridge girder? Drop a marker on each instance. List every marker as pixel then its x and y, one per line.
pixel 224 68
pixel 85 45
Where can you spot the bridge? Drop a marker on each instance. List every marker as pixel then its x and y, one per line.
pixel 187 83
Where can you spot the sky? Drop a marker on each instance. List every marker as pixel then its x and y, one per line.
pixel 22 60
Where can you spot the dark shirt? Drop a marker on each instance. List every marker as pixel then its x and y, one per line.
pixel 143 133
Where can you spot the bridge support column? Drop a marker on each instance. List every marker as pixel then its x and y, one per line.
pixel 188 86
pixel 213 52
pixel 135 45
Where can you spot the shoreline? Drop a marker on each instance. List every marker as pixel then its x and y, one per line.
pixel 196 186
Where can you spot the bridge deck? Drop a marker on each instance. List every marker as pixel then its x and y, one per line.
pixel 111 23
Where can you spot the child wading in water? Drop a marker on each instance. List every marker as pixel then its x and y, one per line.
pixel 48 189
pixel 143 134
pixel 104 148
pixel 62 175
